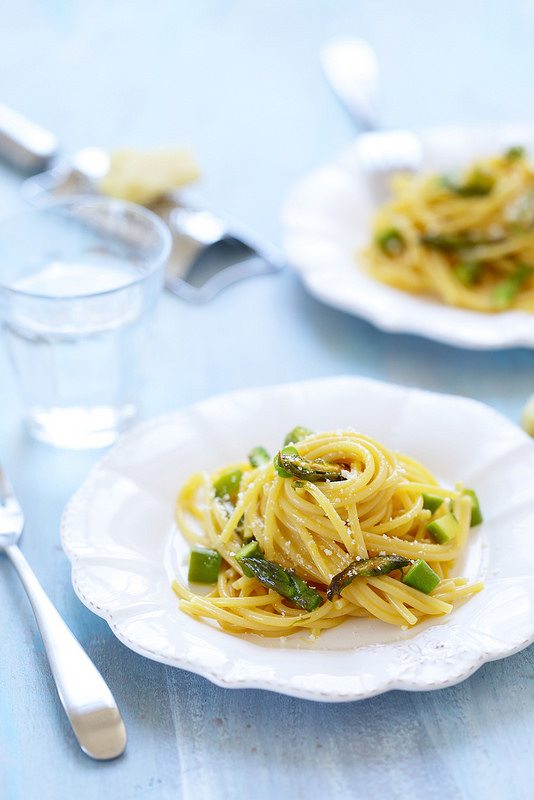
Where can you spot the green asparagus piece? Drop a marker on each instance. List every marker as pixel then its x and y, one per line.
pixel 505 292
pixel 514 153
pixel 258 456
pixel 455 242
pixel 391 242
pixel 296 435
pixel 286 582
pixel 204 565
pixel 227 484
pixel 477 183
pixel 431 502
pixel 476 513
pixel 444 528
pixel 468 272
pixel 290 450
pixel 366 568
pixel 421 577
pixel 289 464
pixel 250 550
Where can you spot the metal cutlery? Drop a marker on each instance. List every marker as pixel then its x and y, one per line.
pixel 209 253
pixel 86 698
pixel 352 71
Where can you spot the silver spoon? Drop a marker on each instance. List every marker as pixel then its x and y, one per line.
pixel 86 698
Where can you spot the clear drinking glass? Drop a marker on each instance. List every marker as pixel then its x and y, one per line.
pixel 79 283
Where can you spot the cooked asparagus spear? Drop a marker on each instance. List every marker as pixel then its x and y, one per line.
pixel 289 464
pixel 367 568
pixel 286 582
pixel 455 242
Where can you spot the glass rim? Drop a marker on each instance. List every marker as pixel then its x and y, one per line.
pixel 159 260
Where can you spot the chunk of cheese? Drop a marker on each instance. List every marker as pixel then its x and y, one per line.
pixel 143 176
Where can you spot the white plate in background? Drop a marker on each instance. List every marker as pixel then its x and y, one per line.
pixel 327 220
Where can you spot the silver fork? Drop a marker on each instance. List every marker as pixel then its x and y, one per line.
pixel 351 68
pixel 86 698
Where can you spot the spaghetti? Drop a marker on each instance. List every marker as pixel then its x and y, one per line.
pixel 347 504
pixel 467 240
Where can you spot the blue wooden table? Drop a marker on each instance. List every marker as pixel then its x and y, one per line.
pixel 240 83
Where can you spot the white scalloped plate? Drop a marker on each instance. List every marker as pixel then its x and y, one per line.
pixel 327 219
pixel 118 531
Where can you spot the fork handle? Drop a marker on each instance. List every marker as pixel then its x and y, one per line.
pixel 86 698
